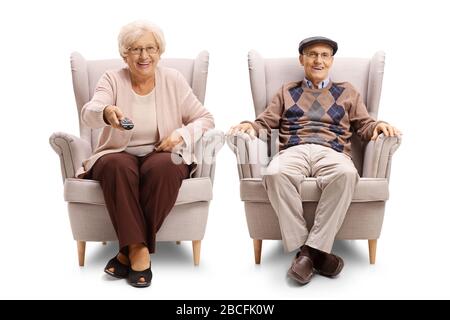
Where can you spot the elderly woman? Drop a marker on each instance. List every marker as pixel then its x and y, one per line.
pixel 148 115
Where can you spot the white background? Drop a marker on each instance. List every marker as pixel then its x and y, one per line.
pixel 38 257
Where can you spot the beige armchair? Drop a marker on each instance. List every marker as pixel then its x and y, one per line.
pixel 373 160
pixel 88 215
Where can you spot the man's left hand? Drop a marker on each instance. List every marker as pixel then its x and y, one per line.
pixel 386 129
pixel 169 143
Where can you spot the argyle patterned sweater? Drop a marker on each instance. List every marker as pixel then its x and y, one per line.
pixel 327 116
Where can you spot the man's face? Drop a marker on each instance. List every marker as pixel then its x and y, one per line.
pixel 317 60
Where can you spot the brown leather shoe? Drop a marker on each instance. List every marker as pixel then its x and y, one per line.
pixel 326 264
pixel 302 269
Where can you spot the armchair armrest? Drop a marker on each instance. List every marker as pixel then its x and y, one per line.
pixel 251 154
pixel 205 153
pixel 71 150
pixel 378 156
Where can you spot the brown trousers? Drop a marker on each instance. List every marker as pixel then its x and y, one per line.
pixel 139 193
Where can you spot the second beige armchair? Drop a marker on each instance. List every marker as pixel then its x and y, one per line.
pixel 364 218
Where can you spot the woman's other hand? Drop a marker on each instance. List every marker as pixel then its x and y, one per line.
pixel 169 143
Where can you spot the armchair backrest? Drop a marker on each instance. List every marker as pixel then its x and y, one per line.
pixel 86 73
pixel 268 75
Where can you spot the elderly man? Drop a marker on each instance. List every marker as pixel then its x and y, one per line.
pixel 316 118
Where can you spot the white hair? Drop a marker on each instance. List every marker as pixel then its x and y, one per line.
pixel 131 32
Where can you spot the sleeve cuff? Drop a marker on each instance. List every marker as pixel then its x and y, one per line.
pixel 184 133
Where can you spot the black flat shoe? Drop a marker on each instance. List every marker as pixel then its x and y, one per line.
pixel 134 276
pixel 121 270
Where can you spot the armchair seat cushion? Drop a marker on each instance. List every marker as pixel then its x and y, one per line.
pixel 367 190
pixel 90 191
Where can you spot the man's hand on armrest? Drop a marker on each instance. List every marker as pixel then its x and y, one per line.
pixel 386 129
pixel 242 128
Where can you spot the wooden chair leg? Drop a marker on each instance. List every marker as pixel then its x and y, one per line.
pixel 81 252
pixel 178 242
pixel 257 246
pixel 372 251
pixel 196 245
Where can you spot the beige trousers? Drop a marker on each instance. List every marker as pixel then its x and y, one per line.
pixel 336 177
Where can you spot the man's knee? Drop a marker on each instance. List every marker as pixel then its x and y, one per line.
pixel 274 178
pixel 345 175
pixel 348 173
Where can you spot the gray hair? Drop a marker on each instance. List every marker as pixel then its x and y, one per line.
pixel 131 32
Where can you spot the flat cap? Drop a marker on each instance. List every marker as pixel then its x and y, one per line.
pixel 313 40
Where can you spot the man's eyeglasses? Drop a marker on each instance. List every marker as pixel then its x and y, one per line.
pixel 314 55
pixel 137 51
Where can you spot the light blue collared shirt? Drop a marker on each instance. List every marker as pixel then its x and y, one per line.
pixel 321 85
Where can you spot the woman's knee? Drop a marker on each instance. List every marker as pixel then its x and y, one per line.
pixel 162 164
pixel 114 162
